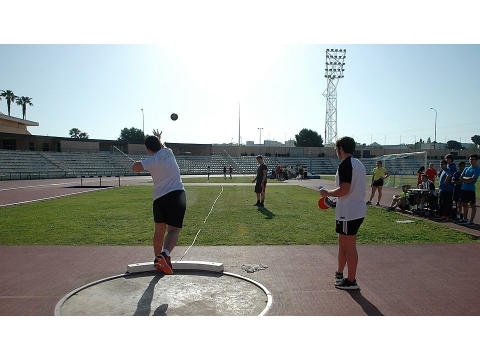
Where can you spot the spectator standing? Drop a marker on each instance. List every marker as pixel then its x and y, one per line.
pixel 300 171
pixel 420 172
pixel 469 179
pixel 379 173
pixel 431 172
pixel 230 171
pixel 445 191
pixel 224 172
pixel 450 164
pixel 457 192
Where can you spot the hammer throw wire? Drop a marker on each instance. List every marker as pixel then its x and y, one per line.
pixel 204 221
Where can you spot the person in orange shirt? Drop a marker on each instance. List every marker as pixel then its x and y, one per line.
pixel 431 173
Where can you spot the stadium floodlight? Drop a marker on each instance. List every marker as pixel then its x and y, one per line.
pixel 435 141
pixel 333 72
pixel 260 128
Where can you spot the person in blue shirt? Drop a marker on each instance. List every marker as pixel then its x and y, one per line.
pixel 457 191
pixel 469 179
pixel 445 188
pixel 450 164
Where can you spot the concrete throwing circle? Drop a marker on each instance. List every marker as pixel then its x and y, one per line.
pixel 186 293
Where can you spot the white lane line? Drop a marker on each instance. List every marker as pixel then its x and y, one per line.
pixel 50 198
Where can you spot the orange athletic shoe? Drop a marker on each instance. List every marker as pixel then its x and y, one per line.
pixel 162 263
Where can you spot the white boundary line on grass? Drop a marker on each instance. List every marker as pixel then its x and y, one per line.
pixel 51 197
pixel 204 221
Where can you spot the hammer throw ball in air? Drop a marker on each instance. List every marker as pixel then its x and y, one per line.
pixel 174 116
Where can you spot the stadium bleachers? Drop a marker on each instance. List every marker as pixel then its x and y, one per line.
pixel 38 164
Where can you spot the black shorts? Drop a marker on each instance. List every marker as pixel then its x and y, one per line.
pixel 457 195
pixel 348 227
pixel 378 182
pixel 259 189
pixel 170 208
pixel 468 197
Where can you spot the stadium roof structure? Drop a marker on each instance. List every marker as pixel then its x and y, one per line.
pixel 18 120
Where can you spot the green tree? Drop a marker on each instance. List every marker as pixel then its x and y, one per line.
pixel 83 135
pixel 132 134
pixel 23 101
pixel 74 133
pixel 454 145
pixel 308 137
pixel 476 140
pixel 9 97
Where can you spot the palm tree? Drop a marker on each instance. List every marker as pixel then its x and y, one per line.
pixel 10 97
pixel 23 101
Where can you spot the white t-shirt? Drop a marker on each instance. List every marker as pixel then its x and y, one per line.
pixel 165 172
pixel 351 206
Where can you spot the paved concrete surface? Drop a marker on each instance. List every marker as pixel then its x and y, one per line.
pixel 186 293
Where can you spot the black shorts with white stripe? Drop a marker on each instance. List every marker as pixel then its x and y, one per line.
pixel 348 227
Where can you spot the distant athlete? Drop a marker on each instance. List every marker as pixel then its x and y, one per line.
pixel 169 199
pixel 261 181
pixel 379 174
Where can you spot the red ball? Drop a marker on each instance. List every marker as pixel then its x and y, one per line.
pixel 321 204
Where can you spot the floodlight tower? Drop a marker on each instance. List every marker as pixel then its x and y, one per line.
pixel 334 67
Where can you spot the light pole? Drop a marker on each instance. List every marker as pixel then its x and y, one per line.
pixel 310 156
pixel 334 67
pixel 435 141
pixel 239 124
pixel 260 142
pixel 143 123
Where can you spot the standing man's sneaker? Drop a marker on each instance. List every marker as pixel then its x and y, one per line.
pixel 257 203
pixel 369 203
pixel 338 277
pixel 163 264
pixel 461 221
pixel 346 284
pixel 469 223
pixel 377 203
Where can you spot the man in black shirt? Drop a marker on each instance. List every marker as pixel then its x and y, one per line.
pixel 261 181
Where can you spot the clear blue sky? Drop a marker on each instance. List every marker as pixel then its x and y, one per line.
pixel 385 96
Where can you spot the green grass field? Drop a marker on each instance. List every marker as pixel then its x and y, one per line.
pixel 122 216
